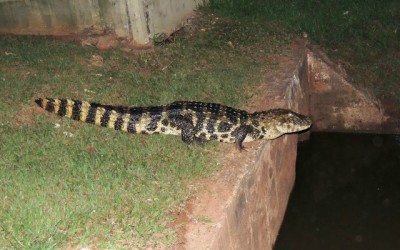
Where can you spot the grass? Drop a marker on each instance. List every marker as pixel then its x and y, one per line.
pixel 77 185
pixel 362 36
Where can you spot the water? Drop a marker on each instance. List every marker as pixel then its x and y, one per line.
pixel 346 196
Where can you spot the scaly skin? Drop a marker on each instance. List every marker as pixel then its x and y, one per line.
pixel 197 122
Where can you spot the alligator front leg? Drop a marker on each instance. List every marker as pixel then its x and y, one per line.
pixel 240 135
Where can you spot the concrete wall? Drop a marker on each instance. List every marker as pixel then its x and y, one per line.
pixel 245 202
pixel 337 105
pixel 135 20
pixel 166 15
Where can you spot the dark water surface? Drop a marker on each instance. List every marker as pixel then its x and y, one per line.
pixel 346 196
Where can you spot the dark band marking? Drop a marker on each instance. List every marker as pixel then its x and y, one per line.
pixel 195 106
pixel 133 120
pixel 210 124
pixel 165 122
pixel 243 117
pixel 213 108
pixel 131 127
pixel 76 110
pixel 50 105
pixel 91 116
pixel 200 120
pixel 224 136
pixel 136 114
pixel 105 118
pixel 232 114
pixel 118 109
pixel 233 119
pixel 224 127
pixel 136 111
pixel 213 137
pixel 188 117
pixel 153 124
pixel 173 120
pixel 119 122
pixel 154 110
pixel 174 108
pixel 39 102
pixel 63 107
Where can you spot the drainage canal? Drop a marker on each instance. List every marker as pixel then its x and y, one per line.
pixel 346 195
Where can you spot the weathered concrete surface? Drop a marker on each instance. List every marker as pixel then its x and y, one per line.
pixel 168 14
pixel 48 17
pixel 245 202
pixel 336 105
pixel 137 21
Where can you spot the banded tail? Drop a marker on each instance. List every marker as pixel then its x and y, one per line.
pixel 132 120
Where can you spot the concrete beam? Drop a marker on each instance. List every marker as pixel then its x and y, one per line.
pixel 137 21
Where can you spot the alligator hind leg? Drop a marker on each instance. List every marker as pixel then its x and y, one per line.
pixel 187 130
pixel 188 135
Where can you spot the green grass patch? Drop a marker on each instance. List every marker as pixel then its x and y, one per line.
pixel 84 186
pixel 362 36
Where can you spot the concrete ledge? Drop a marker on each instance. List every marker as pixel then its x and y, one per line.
pixel 337 105
pixel 245 202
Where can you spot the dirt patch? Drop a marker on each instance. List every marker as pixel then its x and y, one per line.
pixel 96 60
pixel 26 115
pixel 214 190
pixel 182 217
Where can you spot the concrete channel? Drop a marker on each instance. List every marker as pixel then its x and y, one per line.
pixel 245 202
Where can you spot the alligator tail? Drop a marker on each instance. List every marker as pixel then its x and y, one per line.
pixel 114 117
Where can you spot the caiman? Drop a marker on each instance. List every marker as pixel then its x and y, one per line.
pixel 195 122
